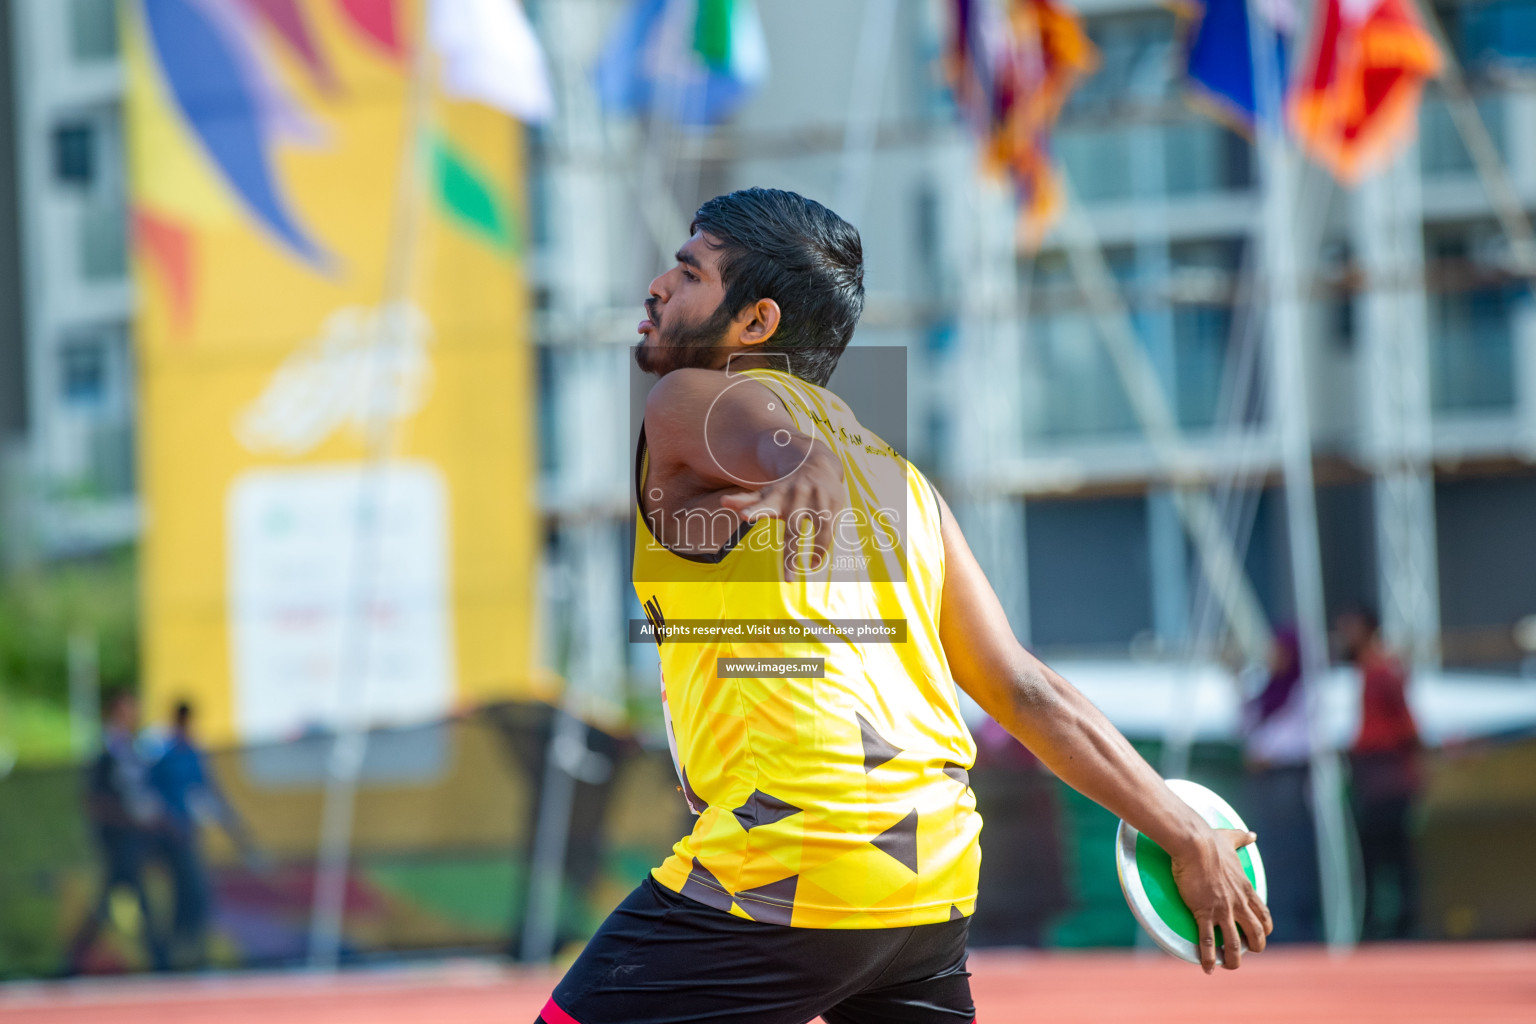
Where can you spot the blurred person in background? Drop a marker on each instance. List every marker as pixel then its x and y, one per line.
pixel 128 817
pixel 1277 748
pixel 190 795
pixel 1384 767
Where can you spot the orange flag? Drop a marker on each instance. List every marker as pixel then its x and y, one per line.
pixel 1013 71
pixel 1358 99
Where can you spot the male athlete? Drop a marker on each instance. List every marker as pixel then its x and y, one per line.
pixel 832 867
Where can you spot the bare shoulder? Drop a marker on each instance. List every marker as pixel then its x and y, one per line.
pixel 682 401
pixel 683 387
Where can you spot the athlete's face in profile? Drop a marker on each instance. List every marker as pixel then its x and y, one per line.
pixel 685 325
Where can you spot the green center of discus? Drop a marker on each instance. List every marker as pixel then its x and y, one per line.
pixel 1156 870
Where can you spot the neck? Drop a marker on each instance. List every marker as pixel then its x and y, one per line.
pixel 736 360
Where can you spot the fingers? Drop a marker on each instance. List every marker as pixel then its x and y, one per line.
pixel 1254 915
pixel 1254 929
pixel 810 515
pixel 1240 838
pixel 1231 944
pixel 1207 944
pixel 747 504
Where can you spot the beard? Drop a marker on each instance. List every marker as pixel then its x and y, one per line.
pixel 678 344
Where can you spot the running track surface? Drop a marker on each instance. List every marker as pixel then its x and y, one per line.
pixel 1488 984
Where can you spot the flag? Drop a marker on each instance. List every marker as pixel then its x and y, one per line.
pixel 1358 98
pixel 1218 54
pixel 1012 71
pixel 489 54
pixel 689 61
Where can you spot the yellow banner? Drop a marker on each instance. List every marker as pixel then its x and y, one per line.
pixel 335 409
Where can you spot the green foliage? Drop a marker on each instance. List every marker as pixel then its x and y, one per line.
pixel 46 873
pixel 39 610
pixel 34 730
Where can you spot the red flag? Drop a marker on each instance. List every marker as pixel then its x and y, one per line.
pixel 1012 76
pixel 1358 100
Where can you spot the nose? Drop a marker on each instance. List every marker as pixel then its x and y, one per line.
pixel 660 286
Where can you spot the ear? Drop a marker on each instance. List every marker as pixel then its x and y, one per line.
pixel 762 320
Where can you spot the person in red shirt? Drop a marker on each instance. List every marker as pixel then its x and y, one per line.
pixel 1385 780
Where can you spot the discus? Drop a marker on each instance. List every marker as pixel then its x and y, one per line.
pixel 1146 876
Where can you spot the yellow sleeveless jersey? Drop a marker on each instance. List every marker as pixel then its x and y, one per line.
pixel 833 802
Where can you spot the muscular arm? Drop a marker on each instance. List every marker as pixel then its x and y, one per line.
pixel 727 442
pixel 1074 739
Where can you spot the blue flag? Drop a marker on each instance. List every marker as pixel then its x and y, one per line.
pixel 1219 55
pixel 689 61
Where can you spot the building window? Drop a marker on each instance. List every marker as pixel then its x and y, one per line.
pixel 1202 291
pixel 93 30
pixel 74 153
pixel 1097 161
pixel 83 371
pixel 1203 156
pixel 1080 392
pixel 1472 310
pixel 104 239
pixel 1135 100
pixel 87 162
pixel 1491 37
pixel 1136 64
pixel 1441 149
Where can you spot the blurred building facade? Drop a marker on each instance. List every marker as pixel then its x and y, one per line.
pixel 1015 405
pixel 1419 323
pixel 1421 357
pixel 64 230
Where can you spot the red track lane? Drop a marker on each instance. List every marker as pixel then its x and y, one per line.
pixel 1488 984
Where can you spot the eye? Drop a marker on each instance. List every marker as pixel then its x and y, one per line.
pixel 689 274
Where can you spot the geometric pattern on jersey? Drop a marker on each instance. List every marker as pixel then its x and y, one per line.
pixel 836 802
pixel 877 749
pixel 762 809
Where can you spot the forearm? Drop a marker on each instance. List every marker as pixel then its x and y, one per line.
pixel 779 452
pixel 1074 739
pixel 1083 748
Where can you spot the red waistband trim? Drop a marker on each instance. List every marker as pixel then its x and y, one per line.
pixel 552 1014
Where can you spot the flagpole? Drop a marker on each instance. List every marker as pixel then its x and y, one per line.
pixel 350 745
pixel 1292 422
pixel 861 130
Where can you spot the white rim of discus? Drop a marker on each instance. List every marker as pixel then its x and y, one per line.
pixel 1218 814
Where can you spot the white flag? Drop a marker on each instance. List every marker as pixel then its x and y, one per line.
pixel 490 54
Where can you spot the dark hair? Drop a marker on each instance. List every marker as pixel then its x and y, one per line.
pixel 1367 616
pixel 782 246
pixel 182 712
pixel 113 698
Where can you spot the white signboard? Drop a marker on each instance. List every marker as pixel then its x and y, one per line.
pixel 338 602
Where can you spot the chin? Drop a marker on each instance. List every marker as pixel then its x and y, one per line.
pixel 646 357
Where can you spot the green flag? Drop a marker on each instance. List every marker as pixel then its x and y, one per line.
pixel 712 33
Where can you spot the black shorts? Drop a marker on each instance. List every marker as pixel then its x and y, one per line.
pixel 661 957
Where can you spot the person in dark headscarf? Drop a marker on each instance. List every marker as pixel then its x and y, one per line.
pixel 1277 745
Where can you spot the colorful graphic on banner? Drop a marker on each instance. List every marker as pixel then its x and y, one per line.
pixel 337 472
